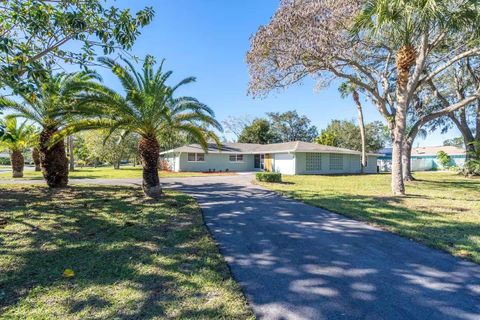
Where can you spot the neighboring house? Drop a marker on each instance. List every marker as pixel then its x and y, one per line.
pixel 384 161
pixel 423 158
pixel 288 158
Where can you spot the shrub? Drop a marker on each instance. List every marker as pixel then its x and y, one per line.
pixel 444 159
pixel 269 176
pixel 472 168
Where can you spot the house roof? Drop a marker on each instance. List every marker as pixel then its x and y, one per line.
pixel 252 148
pixel 432 151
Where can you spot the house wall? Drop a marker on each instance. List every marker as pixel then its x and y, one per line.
pixel 173 160
pixel 284 163
pixel 430 162
pixel 351 164
pixel 217 162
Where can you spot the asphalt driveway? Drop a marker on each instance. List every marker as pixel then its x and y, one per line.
pixel 294 261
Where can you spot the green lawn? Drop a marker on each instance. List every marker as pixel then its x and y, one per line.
pixel 132 258
pixel 110 173
pixel 441 210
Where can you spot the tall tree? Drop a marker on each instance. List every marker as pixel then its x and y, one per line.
pixel 258 132
pixel 51 110
pixel 16 139
pixel 236 125
pixel 346 89
pixel 290 126
pixel 454 142
pixel 34 34
pixel 357 41
pixel 346 134
pixel 148 107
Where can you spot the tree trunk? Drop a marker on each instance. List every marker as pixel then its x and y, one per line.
pixel 71 156
pixel 17 164
pixel 116 164
pixel 405 59
pixel 361 124
pixel 53 160
pixel 407 161
pixel 149 150
pixel 36 158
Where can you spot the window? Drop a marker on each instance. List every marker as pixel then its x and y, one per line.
pixel 336 161
pixel 196 157
pixel 314 162
pixel 236 158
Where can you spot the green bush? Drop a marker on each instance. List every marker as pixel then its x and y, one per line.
pixel 269 176
pixel 472 168
pixel 444 159
pixel 5 161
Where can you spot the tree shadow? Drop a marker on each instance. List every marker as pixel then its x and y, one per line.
pixel 294 260
pixel 132 258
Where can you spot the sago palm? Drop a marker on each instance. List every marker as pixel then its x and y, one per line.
pixel 50 108
pixel 16 139
pixel 147 107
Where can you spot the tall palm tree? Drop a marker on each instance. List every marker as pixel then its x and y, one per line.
pixel 50 109
pixel 16 139
pixel 407 25
pixel 346 89
pixel 147 107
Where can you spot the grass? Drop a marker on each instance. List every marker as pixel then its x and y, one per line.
pixel 441 210
pixel 133 258
pixel 110 173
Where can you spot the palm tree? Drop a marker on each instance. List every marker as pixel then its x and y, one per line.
pixel 51 110
pixel 147 107
pixel 346 89
pixel 407 25
pixel 16 138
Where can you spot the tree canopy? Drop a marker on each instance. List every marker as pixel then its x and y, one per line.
pixel 257 132
pixel 34 34
pixel 346 134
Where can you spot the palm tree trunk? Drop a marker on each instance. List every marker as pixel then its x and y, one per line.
pixel 53 160
pixel 17 164
pixel 361 124
pixel 36 158
pixel 149 150
pixel 405 59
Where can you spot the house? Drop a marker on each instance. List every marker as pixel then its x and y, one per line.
pixel 425 158
pixel 295 157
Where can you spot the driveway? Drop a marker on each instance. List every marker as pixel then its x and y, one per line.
pixel 294 261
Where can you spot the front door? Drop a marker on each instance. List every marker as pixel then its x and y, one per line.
pixel 258 161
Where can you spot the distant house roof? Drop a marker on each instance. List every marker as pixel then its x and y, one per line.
pixel 432 151
pixel 385 151
pixel 252 148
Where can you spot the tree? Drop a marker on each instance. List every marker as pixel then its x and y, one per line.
pixel 257 132
pixel 34 34
pixel 357 41
pixel 454 142
pixel 148 108
pixel 16 138
pixel 109 147
pixel 346 134
pixel 51 110
pixel 236 125
pixel 346 89
pixel 290 126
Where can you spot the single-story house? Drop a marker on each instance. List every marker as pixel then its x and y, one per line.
pixel 424 158
pixel 295 157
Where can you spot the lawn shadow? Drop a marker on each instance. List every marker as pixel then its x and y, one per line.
pixel 111 238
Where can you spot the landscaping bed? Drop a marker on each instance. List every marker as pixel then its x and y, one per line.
pixel 97 252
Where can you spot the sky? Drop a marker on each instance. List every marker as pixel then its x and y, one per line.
pixel 209 39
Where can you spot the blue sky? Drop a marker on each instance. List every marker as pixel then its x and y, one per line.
pixel 208 39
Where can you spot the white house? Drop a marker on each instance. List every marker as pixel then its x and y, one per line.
pixel 295 157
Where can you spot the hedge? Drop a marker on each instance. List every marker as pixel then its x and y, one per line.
pixel 269 176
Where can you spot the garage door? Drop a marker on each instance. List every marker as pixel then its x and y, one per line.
pixel 284 163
